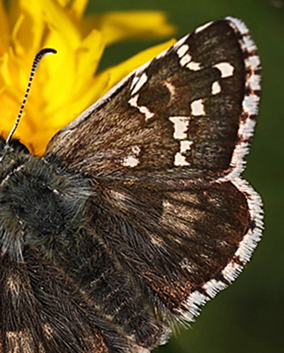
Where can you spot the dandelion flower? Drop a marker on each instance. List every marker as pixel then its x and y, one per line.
pixel 65 84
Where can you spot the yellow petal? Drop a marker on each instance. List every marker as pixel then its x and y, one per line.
pixel 28 26
pixel 121 25
pixel 4 29
pixel 77 8
pixel 63 3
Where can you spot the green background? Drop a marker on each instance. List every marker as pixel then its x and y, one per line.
pixel 247 317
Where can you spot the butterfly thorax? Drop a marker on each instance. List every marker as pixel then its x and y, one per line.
pixel 39 205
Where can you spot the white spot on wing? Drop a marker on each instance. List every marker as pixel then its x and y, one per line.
pixel 133 101
pixel 246 129
pixel 250 104
pixel 194 66
pixel 216 88
pixel 180 160
pixel 249 44
pixel 238 25
pixel 185 146
pixel 213 287
pixel 143 79
pixel 182 50
pixel 197 107
pixel 185 60
pixel 193 303
pixel 144 110
pixel 226 69
pixel 199 298
pixel 254 82
pixel 253 62
pixel 231 271
pixel 132 159
pixel 134 81
pixel 180 126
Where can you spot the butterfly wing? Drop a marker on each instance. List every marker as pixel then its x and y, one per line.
pixel 42 311
pixel 181 116
pixel 163 152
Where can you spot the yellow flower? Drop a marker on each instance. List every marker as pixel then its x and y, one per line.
pixel 64 84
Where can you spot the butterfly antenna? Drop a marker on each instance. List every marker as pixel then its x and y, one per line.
pixel 36 62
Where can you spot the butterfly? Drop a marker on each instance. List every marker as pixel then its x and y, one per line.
pixel 136 215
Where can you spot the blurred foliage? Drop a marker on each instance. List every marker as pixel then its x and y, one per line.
pixel 247 317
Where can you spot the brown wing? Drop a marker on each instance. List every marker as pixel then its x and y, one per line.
pixel 184 115
pixel 185 246
pixel 164 150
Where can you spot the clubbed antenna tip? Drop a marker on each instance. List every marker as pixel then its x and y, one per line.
pixel 36 62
